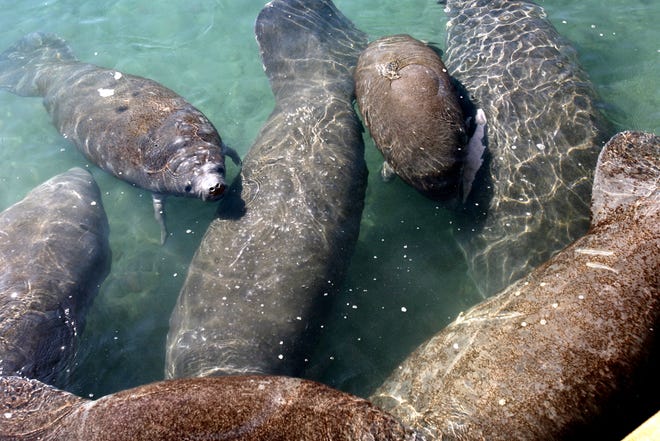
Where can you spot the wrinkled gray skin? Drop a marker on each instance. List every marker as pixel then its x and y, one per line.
pixel 54 254
pixel 545 357
pixel 131 127
pixel 257 285
pixel 544 134
pixel 202 409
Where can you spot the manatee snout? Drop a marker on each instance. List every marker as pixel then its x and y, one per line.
pixel 209 184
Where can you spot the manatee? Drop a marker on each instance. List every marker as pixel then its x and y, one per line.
pixel 54 254
pixel 132 127
pixel 559 348
pixel 278 249
pixel 204 409
pixel 545 130
pixel 413 113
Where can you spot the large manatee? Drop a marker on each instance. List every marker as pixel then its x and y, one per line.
pixel 203 409
pixel 544 134
pixel 131 127
pixel 413 112
pixel 557 349
pixel 268 262
pixel 54 254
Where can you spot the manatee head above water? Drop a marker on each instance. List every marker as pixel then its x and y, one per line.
pixel 413 112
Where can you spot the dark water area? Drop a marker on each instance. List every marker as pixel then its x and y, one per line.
pixel 407 278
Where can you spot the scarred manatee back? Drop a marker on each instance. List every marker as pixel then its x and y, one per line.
pixel 412 111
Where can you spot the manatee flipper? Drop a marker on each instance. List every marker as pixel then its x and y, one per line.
pixel 159 214
pixel 475 150
pixel 233 154
pixel 22 65
pixel 387 173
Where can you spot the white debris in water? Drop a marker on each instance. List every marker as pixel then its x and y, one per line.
pixel 523 324
pixel 106 92
pixel 404 309
pixel 543 321
pixel 581 297
pixel 7 414
pixel 540 146
pixel 93 203
pixel 117 75
pixel 555 305
pixel 502 402
pixel 455 346
pixel 281 357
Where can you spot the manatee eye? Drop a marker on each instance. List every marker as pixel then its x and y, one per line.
pixel 188 187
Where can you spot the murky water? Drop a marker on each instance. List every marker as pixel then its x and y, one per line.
pixel 407 278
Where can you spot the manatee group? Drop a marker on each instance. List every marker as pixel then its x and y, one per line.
pixel 412 110
pixel 54 254
pixel 283 237
pixel 131 127
pixel 545 130
pixel 542 359
pixel 562 346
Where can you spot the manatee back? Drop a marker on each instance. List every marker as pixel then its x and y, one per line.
pixel 545 131
pixel 262 275
pixel 54 255
pixel 412 110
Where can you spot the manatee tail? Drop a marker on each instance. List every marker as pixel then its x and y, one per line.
pixel 308 43
pixel 628 168
pixel 24 63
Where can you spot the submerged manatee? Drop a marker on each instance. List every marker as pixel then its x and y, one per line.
pixel 410 106
pixel 544 135
pixel 263 270
pixel 54 254
pixel 131 127
pixel 203 409
pixel 557 348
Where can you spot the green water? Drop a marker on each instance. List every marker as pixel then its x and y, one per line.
pixel 407 278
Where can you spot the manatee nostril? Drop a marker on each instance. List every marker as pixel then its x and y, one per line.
pixel 217 190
